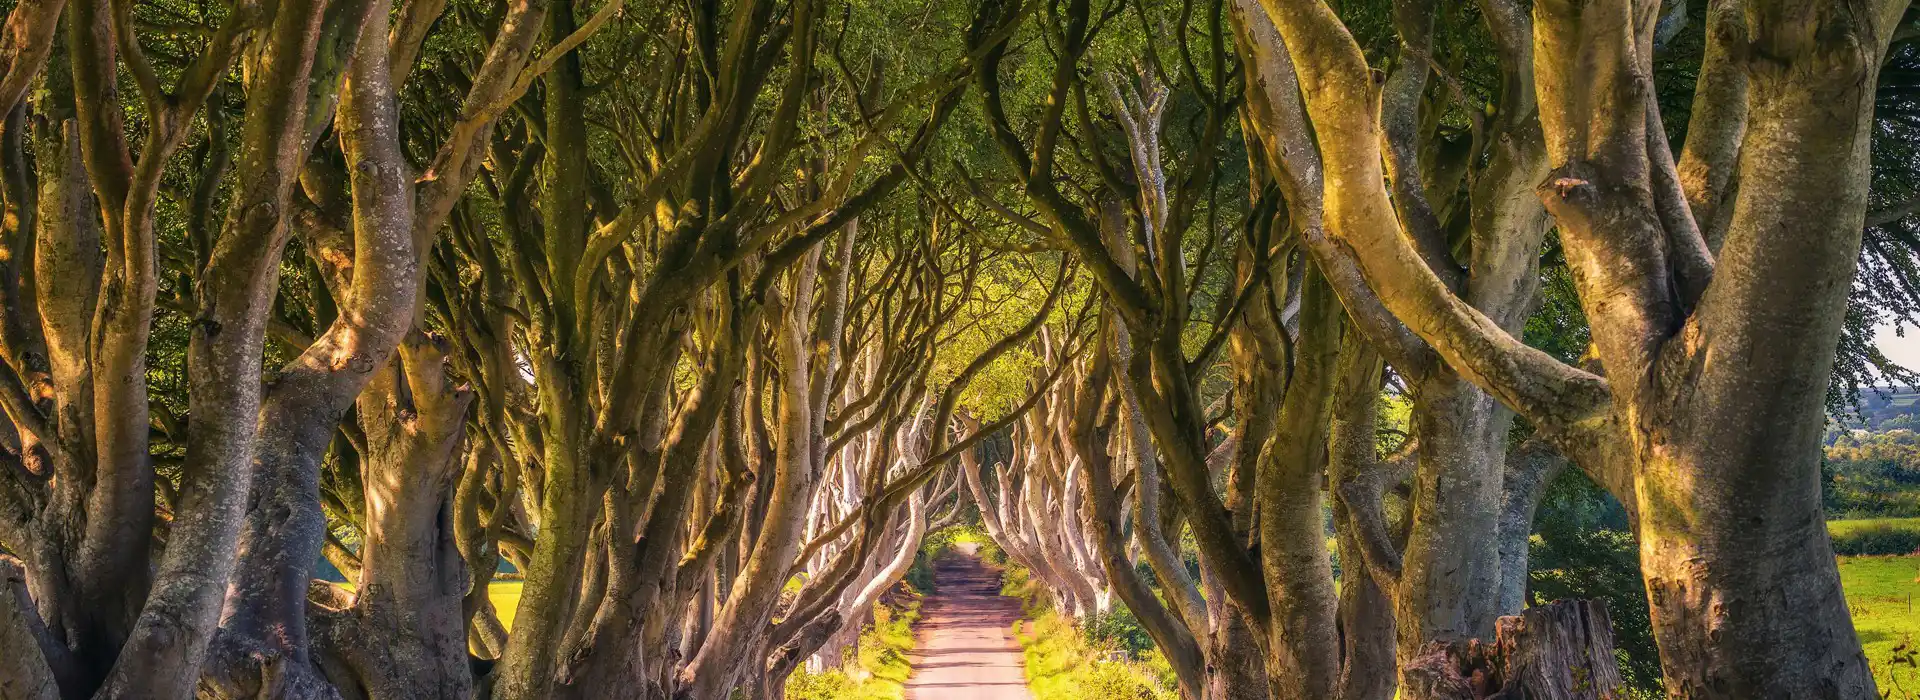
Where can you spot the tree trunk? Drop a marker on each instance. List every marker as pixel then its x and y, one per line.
pixel 570 493
pixel 1724 421
pixel 1561 651
pixel 1302 661
pixel 405 636
pixel 1173 635
pixel 1531 468
pixel 1451 563
pixel 1368 553
pixel 265 614
pixel 24 671
pixel 741 622
pixel 163 654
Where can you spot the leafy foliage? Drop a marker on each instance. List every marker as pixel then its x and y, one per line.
pixel 1116 629
pixel 1061 665
pixel 878 667
pixel 1872 475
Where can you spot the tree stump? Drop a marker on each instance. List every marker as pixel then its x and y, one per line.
pixel 1559 651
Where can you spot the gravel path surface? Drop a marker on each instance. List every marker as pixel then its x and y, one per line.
pixel 966 649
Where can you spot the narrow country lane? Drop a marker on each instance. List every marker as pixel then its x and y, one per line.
pixel 966 649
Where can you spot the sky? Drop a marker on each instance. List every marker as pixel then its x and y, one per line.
pixel 1905 351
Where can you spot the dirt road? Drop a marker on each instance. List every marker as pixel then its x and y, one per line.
pixel 966 649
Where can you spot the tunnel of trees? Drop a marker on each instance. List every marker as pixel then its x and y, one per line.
pixel 316 316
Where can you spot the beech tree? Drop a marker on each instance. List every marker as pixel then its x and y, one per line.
pixel 703 318
pixel 1653 265
pixel 1476 236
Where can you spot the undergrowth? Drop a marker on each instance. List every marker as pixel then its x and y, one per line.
pixel 877 669
pixel 1875 537
pixel 1066 663
pixel 1102 658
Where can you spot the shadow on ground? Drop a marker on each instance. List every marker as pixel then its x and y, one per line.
pixel 966 649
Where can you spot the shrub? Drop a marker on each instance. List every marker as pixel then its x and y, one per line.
pixel 938 542
pixel 1117 629
pixel 1017 582
pixel 1062 665
pixel 1879 538
pixel 920 575
pixel 1869 488
pixel 1582 549
pixel 877 668
pixel 884 645
pixel 989 551
pixel 1112 681
pixel 832 684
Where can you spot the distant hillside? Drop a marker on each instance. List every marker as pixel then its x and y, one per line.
pixel 1886 409
pixel 1872 465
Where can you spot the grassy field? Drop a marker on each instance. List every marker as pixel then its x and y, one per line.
pixel 1839 528
pixel 1880 594
pixel 505 595
pixel 506 599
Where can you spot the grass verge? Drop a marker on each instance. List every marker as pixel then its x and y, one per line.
pixel 878 668
pixel 1062 664
pixel 1848 526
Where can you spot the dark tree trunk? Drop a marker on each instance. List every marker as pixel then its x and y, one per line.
pixel 373 273
pixel 405 636
pixel 1559 651
pixel 25 673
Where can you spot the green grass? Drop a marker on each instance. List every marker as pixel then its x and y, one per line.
pixel 883 647
pixel 1839 528
pixel 505 595
pixel 1062 666
pixel 878 669
pixel 506 599
pixel 1880 596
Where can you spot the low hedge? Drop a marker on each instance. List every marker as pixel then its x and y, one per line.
pixel 1876 539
